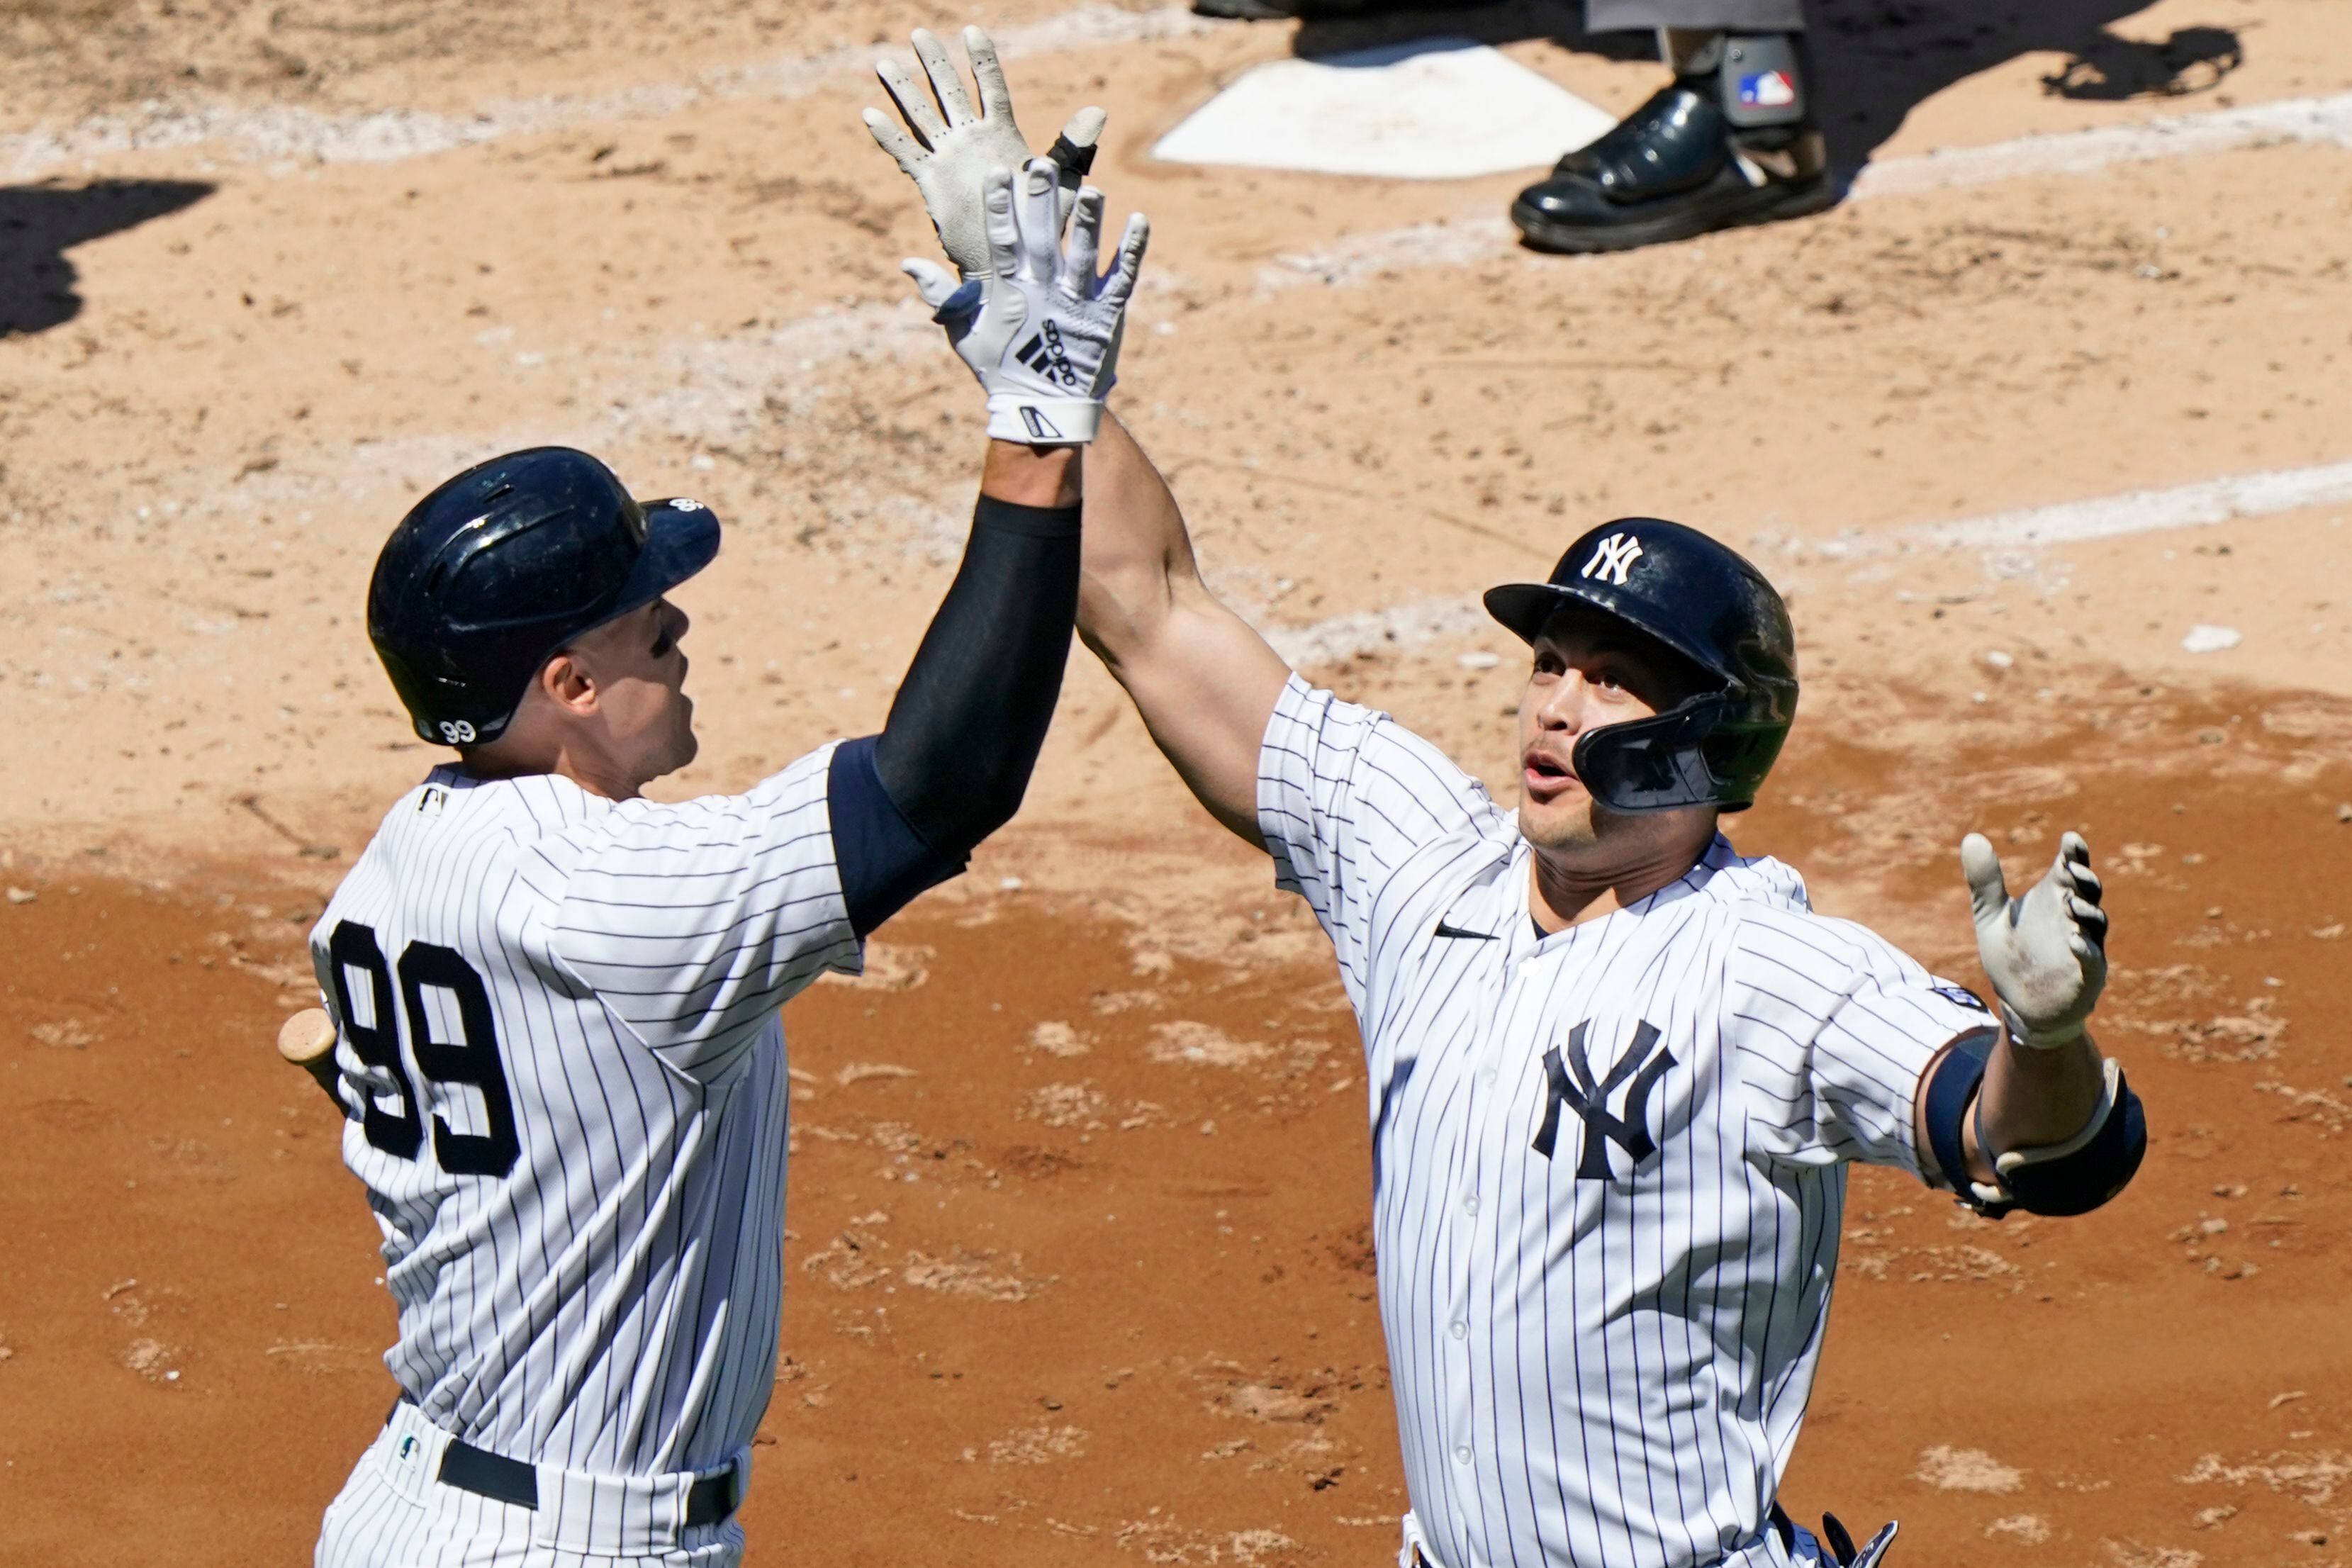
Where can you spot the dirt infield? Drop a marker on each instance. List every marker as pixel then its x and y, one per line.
pixel 1079 1264
pixel 1079 1268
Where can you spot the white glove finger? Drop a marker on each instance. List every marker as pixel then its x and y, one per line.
pixel 1040 220
pixel 1119 286
pixel 2072 845
pixel 947 82
pixel 1076 147
pixel 2091 919
pixel 1988 892
pixel 894 141
pixel 2094 957
pixel 933 282
pixel 988 75
pixel 1078 278
pixel 1085 132
pixel 914 106
pixel 1074 152
pixel 2086 882
pixel 1003 233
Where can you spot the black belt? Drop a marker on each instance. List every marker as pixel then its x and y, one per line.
pixel 478 1470
pixel 1841 1544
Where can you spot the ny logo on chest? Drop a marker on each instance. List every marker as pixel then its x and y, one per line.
pixel 1569 1075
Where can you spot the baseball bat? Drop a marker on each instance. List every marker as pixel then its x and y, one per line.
pixel 308 1040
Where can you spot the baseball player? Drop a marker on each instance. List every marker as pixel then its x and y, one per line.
pixel 1617 1069
pixel 556 1001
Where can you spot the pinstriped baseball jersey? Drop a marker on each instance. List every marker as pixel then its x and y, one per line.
pixel 1608 1164
pixel 560 1044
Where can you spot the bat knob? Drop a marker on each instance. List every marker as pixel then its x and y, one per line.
pixel 307 1037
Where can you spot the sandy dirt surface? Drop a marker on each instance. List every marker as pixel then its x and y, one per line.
pixel 1078 1265
pixel 1078 1268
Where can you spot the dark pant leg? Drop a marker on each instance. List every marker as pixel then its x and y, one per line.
pixel 1722 16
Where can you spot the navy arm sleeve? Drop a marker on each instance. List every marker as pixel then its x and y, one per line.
pixel 909 806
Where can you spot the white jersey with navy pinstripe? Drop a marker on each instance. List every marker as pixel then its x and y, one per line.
pixel 561 1015
pixel 1608 1164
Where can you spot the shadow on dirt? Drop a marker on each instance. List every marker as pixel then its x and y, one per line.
pixel 2193 61
pixel 40 223
pixel 1875 59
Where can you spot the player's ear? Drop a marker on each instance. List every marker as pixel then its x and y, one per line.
pixel 568 683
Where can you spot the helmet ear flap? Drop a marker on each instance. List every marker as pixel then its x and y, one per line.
pixel 1740 755
pixel 1658 763
pixel 1705 751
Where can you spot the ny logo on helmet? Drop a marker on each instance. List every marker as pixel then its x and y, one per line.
pixel 1614 558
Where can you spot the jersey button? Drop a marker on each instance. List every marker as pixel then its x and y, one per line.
pixel 1462 1455
pixel 1486 1076
pixel 1459 1330
pixel 1470 1204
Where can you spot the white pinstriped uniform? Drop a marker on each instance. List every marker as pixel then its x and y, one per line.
pixel 606 1309
pixel 1601 1354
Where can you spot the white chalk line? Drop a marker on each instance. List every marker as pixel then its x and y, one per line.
pixel 1419 622
pixel 2293 120
pixel 280 134
pixel 2300 120
pixel 2146 511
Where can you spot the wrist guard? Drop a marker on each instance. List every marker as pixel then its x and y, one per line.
pixel 2085 1172
pixel 2055 1180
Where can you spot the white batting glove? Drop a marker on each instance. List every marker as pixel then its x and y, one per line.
pixel 2046 953
pixel 1040 329
pixel 951 150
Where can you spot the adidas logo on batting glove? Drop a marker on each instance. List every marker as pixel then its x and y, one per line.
pixel 1042 330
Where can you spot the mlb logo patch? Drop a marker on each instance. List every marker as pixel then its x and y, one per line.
pixel 1767 89
pixel 1960 994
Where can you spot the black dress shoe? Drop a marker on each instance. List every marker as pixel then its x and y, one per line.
pixel 1675 168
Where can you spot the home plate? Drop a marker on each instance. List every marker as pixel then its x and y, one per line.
pixel 1434 109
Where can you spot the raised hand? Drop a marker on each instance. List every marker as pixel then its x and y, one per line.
pixel 1041 329
pixel 2045 953
pixel 948 150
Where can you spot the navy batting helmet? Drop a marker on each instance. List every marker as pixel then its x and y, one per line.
pixel 1706 604
pixel 490 576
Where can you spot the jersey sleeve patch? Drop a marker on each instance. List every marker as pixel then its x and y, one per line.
pixel 1959 995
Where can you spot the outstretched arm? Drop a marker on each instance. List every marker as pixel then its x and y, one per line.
pixel 1203 679
pixel 1204 682
pixel 1040 332
pixel 2051 1127
pixel 953 759
pixel 972 715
